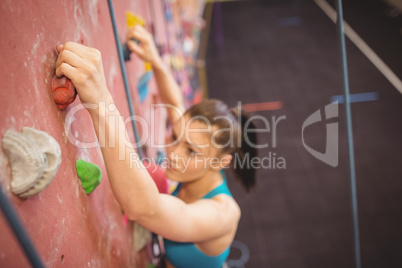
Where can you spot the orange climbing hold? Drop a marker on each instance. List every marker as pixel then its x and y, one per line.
pixel 64 91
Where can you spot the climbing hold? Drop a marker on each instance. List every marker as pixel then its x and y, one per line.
pixel 35 158
pixel 143 85
pixel 89 174
pixel 158 175
pixel 51 149
pixel 127 51
pixel 140 236
pixel 131 20
pixel 64 91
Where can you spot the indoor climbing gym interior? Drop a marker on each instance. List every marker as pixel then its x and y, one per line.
pixel 201 133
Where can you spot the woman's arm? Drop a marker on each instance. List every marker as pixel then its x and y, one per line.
pixel 131 184
pixel 169 90
pixel 133 187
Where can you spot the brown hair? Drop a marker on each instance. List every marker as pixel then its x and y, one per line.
pixel 212 110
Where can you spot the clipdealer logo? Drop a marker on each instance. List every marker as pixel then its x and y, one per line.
pixel 330 156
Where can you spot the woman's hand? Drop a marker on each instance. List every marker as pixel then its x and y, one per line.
pixel 146 49
pixel 83 66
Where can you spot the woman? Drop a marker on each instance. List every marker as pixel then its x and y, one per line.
pixel 199 220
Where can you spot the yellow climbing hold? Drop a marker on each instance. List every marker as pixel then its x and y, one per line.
pixel 148 66
pixel 133 20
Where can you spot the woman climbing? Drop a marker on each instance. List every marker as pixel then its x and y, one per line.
pixel 199 220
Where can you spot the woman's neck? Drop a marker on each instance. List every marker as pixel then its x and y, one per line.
pixel 194 190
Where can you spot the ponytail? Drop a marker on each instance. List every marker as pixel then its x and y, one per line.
pixel 242 168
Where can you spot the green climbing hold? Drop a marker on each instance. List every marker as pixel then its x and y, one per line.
pixel 89 174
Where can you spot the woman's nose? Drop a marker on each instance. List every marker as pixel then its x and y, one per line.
pixel 171 148
pixel 174 150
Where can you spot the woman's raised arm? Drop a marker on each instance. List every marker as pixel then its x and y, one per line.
pixel 131 184
pixel 169 90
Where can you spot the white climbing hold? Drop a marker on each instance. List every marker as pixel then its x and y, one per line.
pixel 141 236
pixel 34 157
pixel 27 161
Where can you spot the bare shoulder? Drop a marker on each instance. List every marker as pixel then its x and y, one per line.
pixel 228 206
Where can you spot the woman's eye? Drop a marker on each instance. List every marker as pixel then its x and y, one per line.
pixel 191 151
pixel 174 138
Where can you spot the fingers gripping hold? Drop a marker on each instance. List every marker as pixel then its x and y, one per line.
pixel 83 66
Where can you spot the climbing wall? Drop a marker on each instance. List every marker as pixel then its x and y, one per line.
pixel 68 227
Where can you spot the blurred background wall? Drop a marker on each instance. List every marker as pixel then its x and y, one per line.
pixel 264 52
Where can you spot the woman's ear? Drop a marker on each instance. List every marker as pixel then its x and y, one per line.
pixel 225 160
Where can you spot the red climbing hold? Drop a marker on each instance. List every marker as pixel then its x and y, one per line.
pixel 64 91
pixel 158 175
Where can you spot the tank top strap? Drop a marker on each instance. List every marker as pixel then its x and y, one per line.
pixel 221 189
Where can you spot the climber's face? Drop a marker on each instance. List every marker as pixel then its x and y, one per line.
pixel 191 152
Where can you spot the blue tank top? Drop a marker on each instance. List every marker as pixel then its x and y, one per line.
pixel 184 255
